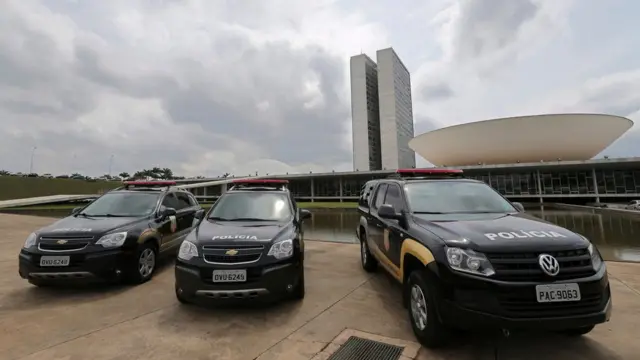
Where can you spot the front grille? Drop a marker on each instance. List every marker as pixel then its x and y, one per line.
pixel 66 237
pixel 228 259
pixel 574 264
pixel 525 305
pixel 240 253
pixel 71 245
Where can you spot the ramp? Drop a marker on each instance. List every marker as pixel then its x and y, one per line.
pixel 44 200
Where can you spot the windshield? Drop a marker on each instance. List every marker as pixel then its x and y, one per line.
pixel 122 204
pixel 251 206
pixel 447 197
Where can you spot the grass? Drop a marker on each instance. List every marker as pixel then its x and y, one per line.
pixel 15 187
pixel 304 205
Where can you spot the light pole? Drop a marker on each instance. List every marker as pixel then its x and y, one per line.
pixel 33 153
pixel 110 164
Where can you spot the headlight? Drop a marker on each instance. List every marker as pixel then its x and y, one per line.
pixel 188 250
pixel 469 261
pixel 282 249
pixel 31 241
pixel 112 240
pixel 596 260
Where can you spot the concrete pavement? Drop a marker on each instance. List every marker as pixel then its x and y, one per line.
pixel 147 322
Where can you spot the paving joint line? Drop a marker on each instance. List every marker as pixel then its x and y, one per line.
pixel 95 331
pixel 626 285
pixel 313 318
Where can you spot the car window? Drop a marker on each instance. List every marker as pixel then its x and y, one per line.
pixel 171 201
pixel 123 204
pixel 380 196
pixel 259 206
pixel 193 200
pixel 455 197
pixel 184 201
pixel 394 197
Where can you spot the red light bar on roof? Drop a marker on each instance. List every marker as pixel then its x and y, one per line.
pixel 260 181
pixel 428 172
pixel 149 183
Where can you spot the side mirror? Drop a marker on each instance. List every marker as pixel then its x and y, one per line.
pixel 518 206
pixel 305 214
pixel 387 211
pixel 165 212
pixel 76 210
pixel 199 214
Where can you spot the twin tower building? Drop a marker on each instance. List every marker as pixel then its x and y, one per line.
pixel 381 112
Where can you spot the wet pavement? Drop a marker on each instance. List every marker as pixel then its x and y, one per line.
pixel 147 322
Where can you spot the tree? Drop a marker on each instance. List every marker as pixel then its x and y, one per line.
pixel 124 175
pixel 4 172
pixel 226 175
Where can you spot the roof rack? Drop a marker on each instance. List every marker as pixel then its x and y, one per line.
pixel 147 185
pixel 433 173
pixel 259 184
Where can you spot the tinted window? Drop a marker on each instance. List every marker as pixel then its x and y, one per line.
pixel 252 206
pixel 123 204
pixel 184 200
pixel 193 200
pixel 171 201
pixel 455 197
pixel 394 197
pixel 380 195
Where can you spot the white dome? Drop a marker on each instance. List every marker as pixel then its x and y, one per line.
pixel 522 139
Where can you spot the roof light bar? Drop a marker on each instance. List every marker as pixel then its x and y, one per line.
pixel 429 172
pixel 146 183
pixel 260 181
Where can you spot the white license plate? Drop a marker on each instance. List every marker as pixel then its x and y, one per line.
pixel 558 293
pixel 54 261
pixel 229 275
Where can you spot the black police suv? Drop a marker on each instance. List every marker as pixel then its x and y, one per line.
pixel 470 259
pixel 249 245
pixel 119 236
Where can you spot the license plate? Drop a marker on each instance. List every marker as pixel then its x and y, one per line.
pixel 558 293
pixel 54 261
pixel 229 275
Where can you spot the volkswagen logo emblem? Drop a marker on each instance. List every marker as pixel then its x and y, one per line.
pixel 549 264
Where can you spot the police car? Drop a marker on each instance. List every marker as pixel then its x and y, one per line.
pixel 248 245
pixel 470 259
pixel 119 236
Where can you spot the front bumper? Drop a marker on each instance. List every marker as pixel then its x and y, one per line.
pixel 468 302
pixel 84 266
pixel 264 280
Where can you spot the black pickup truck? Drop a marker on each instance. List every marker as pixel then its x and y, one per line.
pixel 470 259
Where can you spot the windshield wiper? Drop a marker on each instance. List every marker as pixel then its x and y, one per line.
pixel 249 219
pixel 82 214
pixel 106 215
pixel 218 218
pixel 429 212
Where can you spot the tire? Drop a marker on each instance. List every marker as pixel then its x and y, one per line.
pixel 369 263
pixel 578 331
pixel 299 291
pixel 423 315
pixel 148 254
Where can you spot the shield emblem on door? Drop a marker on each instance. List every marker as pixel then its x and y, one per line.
pixel 174 223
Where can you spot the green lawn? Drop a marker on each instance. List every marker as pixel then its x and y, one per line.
pixel 304 205
pixel 16 187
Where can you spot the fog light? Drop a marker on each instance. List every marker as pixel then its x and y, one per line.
pixel 180 291
pixel 289 287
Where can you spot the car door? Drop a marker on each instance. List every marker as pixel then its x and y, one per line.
pixel 393 233
pixel 186 213
pixel 375 226
pixel 168 226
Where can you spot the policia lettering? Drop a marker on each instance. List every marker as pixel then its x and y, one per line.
pixel 521 234
pixel 240 237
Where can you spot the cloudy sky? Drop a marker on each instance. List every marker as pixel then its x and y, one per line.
pixel 213 86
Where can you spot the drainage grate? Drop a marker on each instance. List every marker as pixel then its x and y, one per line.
pixel 356 348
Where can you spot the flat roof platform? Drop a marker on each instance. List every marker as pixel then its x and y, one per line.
pixel 147 322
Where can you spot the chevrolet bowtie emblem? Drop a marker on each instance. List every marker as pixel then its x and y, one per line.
pixel 231 252
pixel 61 242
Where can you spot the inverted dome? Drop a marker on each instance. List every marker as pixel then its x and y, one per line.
pixel 521 139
